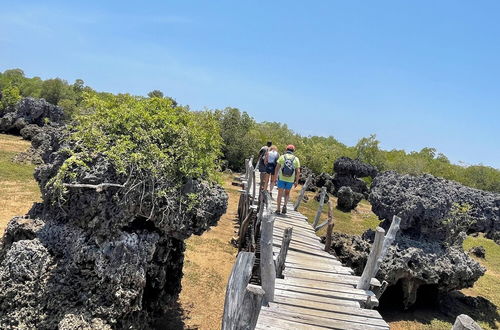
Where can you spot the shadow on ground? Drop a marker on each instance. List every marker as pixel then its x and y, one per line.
pixel 431 307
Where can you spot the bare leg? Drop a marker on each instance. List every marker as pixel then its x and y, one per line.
pixel 278 202
pixel 266 181
pixel 271 186
pixel 287 196
pixel 262 180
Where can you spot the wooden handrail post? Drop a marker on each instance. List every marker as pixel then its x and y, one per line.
pixel 267 267
pixel 329 229
pixel 254 187
pixel 320 207
pixel 250 178
pixel 364 281
pixel 246 169
pixel 388 239
pixel 465 322
pixel 302 192
pixel 285 243
pixel 250 308
pixel 235 290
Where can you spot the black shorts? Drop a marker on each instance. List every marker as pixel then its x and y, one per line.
pixel 270 167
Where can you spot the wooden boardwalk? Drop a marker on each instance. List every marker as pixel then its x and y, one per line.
pixel 317 292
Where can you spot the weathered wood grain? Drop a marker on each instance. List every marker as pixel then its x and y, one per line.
pixel 236 286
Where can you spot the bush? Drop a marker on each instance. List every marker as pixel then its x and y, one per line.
pixel 151 137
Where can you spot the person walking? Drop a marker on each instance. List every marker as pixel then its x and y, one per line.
pixel 288 172
pixel 261 164
pixel 271 160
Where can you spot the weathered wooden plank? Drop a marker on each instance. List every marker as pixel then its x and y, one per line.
pixel 310 283
pixel 270 322
pixel 368 271
pixel 280 260
pixel 327 307
pixel 302 192
pixel 267 266
pixel 318 321
pixel 306 252
pixel 309 259
pixel 329 229
pixel 320 207
pixel 361 298
pixel 312 297
pixel 300 235
pixel 250 308
pixel 348 279
pixel 329 315
pixel 236 286
pixel 331 270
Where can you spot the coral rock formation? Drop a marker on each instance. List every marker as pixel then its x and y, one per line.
pixel 105 256
pixel 478 251
pixel 347 174
pixel 428 249
pixel 27 114
pixel 348 199
pixel 424 201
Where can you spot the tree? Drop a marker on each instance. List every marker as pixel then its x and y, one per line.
pixel 156 93
pixel 53 90
pixel 239 143
pixel 367 150
pixel 10 97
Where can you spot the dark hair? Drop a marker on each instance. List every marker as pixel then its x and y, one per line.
pixel 269 143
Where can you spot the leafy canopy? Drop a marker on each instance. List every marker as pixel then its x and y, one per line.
pixel 148 135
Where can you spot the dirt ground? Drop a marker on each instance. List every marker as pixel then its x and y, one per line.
pixel 18 189
pixel 208 262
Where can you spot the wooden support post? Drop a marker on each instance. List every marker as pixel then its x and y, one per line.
pixel 388 239
pixel 321 225
pixel 267 267
pixel 465 322
pixel 285 243
pixel 329 229
pixel 250 178
pixel 320 207
pixel 243 231
pixel 364 281
pixel 236 288
pixel 302 192
pixel 254 187
pixel 250 308
pixel 246 169
pixel 382 289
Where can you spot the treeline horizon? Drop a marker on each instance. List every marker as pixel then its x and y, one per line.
pixel 243 135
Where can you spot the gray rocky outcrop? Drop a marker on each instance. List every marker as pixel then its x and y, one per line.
pixel 436 215
pixel 424 201
pixel 348 199
pixel 101 257
pixel 478 251
pixel 348 173
pixel 28 115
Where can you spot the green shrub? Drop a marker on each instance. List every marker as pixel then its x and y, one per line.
pixel 150 136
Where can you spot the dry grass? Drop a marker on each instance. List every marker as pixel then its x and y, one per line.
pixel 208 261
pixel 18 189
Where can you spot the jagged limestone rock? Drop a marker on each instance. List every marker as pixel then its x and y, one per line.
pixel 99 258
pixel 424 201
pixel 27 113
pixel 348 199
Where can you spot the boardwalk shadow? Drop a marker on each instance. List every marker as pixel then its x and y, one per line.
pixel 446 308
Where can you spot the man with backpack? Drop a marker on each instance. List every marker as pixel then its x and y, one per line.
pixel 288 172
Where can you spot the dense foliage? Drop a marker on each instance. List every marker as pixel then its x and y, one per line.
pixel 149 139
pixel 240 133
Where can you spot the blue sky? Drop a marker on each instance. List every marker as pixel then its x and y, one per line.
pixel 417 74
